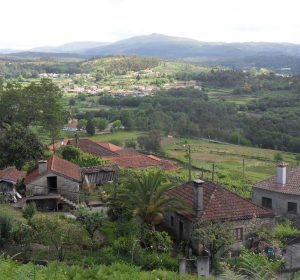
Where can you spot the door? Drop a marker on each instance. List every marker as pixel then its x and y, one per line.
pixel 180 231
pixel 52 184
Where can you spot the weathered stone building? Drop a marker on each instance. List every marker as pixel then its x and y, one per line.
pixel 54 184
pixel 9 177
pixel 208 201
pixel 281 193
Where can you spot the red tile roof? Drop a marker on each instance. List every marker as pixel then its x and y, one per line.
pixel 58 166
pixel 292 185
pixel 219 203
pixel 11 174
pixel 140 161
pixel 109 146
pixel 91 147
pixel 124 157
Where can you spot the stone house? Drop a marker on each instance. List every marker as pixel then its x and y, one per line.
pixel 9 177
pixel 281 193
pixel 54 184
pixel 207 201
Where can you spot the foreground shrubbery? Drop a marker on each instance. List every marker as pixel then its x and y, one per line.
pixel 118 271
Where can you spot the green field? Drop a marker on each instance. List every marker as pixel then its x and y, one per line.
pixel 118 136
pixel 228 158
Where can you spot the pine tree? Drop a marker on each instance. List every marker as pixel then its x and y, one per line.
pixel 90 127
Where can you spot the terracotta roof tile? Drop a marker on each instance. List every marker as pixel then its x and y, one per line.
pixel 109 146
pixel 91 147
pixel 292 185
pixel 11 174
pixel 219 203
pixel 59 166
pixel 124 157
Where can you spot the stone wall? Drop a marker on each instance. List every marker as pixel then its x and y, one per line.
pixel 279 201
pixel 66 187
pixel 249 226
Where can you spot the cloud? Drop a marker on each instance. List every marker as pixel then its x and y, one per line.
pixel 33 22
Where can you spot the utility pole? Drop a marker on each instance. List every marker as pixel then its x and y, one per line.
pixel 190 163
pixel 243 168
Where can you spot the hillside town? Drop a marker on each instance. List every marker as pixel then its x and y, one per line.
pixel 155 140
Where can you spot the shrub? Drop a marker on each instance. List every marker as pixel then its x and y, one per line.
pixel 70 152
pixel 278 157
pixel 23 234
pixel 130 144
pixel 29 211
pixel 125 246
pixel 157 241
pixel 149 260
pixel 91 220
pixel 285 230
pixel 90 127
pixel 5 229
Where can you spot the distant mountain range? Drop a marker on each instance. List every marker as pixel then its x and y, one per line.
pixel 168 47
pixel 158 45
pixel 74 47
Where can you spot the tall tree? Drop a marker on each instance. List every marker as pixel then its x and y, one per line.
pixel 90 127
pixel 39 103
pixel 19 145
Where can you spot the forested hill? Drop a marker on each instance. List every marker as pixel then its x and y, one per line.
pixel 276 56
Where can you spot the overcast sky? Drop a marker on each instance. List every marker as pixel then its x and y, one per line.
pixel 31 23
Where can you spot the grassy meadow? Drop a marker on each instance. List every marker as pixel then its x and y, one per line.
pixel 228 159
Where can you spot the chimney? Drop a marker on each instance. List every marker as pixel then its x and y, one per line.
pixel 198 196
pixel 42 166
pixel 281 173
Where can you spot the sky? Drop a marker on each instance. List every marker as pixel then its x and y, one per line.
pixel 31 23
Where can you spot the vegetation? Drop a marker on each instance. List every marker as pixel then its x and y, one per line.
pixel 214 236
pixel 12 270
pixel 145 197
pixel 73 154
pixel 19 145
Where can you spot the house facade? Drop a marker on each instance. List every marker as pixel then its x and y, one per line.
pixel 280 193
pixel 207 201
pixel 54 184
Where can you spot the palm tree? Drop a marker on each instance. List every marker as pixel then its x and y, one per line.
pixel 146 197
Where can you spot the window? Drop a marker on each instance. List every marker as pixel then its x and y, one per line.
pixel 267 202
pixel 172 221
pixel 238 234
pixel 292 207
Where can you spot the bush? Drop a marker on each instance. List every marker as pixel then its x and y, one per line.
pixel 125 246
pixel 5 229
pixel 149 261
pixel 90 127
pixel 70 152
pixel 278 157
pixel 12 270
pixel 23 234
pixel 29 211
pixel 157 241
pixel 257 266
pixel 130 144
pixel 285 230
